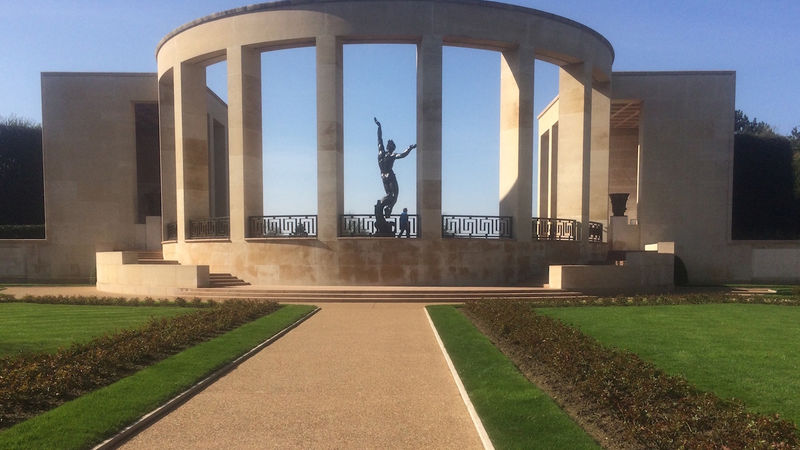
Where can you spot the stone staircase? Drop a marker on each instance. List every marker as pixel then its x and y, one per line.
pixel 226 285
pixel 399 294
pixel 153 257
pixel 223 280
pixel 215 280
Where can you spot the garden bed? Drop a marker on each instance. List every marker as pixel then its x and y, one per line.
pixel 33 383
pixel 618 391
pixel 747 352
pixel 90 419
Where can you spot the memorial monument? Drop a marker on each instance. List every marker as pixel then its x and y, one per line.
pixel 663 137
pixel 386 159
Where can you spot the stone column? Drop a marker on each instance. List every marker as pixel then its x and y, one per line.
pixel 552 170
pixel 516 139
pixel 575 143
pixel 330 146
pixel 544 174
pixel 244 139
pixel 429 137
pixel 166 115
pixel 191 145
pixel 601 128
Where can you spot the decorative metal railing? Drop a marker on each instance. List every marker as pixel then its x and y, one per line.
pixel 548 229
pixel 482 227
pixel 214 227
pixel 595 232
pixel 172 232
pixel 354 225
pixel 282 226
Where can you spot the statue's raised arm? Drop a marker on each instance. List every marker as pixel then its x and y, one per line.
pixel 380 135
pixel 407 151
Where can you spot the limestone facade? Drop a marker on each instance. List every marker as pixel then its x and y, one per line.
pixel 90 176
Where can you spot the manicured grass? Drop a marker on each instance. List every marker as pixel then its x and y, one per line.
pixel 514 412
pixel 29 327
pixel 749 352
pixel 90 419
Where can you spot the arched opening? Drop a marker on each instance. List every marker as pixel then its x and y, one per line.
pixel 289 131
pixel 379 82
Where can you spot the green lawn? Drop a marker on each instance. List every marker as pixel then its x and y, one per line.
pixel 29 327
pixel 514 412
pixel 749 352
pixel 88 420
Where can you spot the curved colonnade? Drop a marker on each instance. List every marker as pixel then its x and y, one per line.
pixel 239 36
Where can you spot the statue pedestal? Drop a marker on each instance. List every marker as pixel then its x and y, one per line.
pixel 383 228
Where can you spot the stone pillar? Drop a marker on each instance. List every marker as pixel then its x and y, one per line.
pixel 552 204
pixel 429 137
pixel 575 143
pixel 601 128
pixel 191 145
pixel 244 139
pixel 330 146
pixel 544 174
pixel 166 115
pixel 516 139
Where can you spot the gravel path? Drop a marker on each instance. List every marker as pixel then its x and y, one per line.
pixel 352 376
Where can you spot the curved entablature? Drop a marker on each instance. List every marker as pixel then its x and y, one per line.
pixel 295 23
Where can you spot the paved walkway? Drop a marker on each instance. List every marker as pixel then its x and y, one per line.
pixel 352 376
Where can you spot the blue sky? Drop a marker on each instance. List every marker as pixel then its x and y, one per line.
pixel 759 40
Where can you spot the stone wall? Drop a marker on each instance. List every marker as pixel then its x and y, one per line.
pixel 88 134
pixel 385 261
pixel 685 164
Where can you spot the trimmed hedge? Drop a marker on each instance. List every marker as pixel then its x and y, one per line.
pixel 107 301
pixel 30 384
pixel 22 231
pixel 666 299
pixel 658 410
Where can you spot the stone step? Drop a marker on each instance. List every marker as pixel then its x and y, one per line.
pixel 387 293
pixel 158 261
pixel 153 257
pixel 373 295
pixel 223 280
pixel 152 254
pixel 312 299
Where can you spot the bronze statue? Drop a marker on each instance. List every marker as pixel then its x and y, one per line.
pixel 386 159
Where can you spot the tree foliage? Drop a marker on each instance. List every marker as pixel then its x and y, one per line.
pixel 764 205
pixel 743 125
pixel 21 173
pixel 766 181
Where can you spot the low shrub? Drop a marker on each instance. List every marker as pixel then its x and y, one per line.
pixel 657 410
pixel 30 384
pixel 105 301
pixel 666 299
